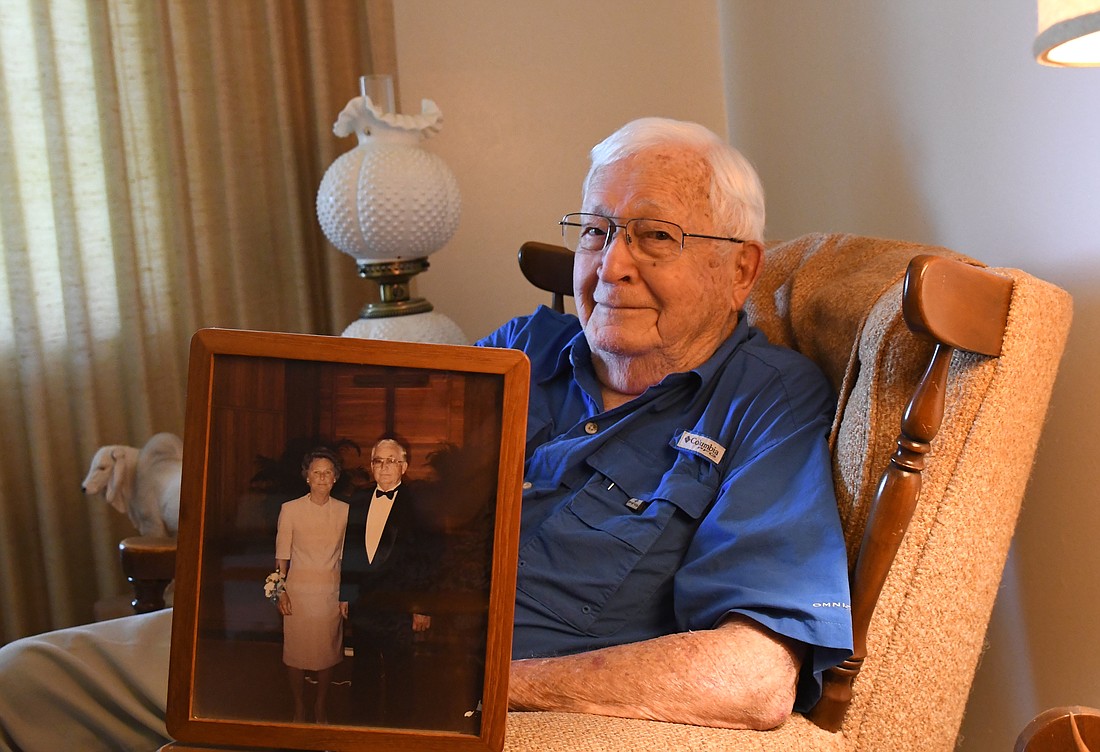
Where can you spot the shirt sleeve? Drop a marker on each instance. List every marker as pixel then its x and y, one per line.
pixel 541 334
pixel 771 547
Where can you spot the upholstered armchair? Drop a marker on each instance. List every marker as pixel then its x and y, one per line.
pixel 944 371
pixel 985 342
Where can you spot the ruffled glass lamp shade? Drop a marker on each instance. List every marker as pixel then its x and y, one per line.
pixel 389 204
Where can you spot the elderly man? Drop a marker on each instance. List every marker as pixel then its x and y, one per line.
pixel 681 556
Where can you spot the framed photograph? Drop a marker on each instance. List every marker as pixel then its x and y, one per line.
pixel 319 606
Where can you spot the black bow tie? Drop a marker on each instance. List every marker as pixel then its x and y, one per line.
pixel 388 494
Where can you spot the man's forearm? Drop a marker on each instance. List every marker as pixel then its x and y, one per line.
pixel 739 675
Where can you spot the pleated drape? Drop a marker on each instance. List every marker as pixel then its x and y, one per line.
pixel 159 163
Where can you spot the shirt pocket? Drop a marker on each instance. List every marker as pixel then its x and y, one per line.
pixel 618 539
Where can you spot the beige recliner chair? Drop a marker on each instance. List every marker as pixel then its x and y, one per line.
pixel 990 341
pixel 976 377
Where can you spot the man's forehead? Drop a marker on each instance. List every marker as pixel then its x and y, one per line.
pixel 656 180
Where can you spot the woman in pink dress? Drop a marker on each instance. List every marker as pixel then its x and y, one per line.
pixel 308 548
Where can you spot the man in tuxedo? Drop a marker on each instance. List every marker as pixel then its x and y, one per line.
pixel 387 573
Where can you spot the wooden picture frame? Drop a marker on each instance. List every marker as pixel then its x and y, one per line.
pixel 255 402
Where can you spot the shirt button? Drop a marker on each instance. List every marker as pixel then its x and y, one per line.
pixel 586 609
pixel 526 485
pixel 590 428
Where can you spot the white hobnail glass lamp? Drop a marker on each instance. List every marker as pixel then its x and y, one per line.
pixel 1069 33
pixel 389 204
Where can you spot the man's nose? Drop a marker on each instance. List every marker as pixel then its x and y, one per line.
pixel 617 261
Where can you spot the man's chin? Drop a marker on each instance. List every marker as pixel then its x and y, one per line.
pixel 606 340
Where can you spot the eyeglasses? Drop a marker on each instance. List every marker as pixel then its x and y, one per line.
pixel 385 462
pixel 647 239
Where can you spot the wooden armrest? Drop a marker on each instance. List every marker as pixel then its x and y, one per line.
pixel 149 564
pixel 957 306
pixel 962 306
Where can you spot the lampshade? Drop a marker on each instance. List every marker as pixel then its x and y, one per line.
pixel 1069 33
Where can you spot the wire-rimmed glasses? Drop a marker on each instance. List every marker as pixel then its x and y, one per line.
pixel 648 239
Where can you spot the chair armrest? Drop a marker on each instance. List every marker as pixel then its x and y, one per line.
pixel 956 306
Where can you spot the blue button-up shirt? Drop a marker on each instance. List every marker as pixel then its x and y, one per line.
pixel 708 495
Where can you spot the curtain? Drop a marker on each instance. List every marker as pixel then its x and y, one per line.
pixel 159 163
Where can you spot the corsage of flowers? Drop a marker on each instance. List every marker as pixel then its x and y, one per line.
pixel 274 585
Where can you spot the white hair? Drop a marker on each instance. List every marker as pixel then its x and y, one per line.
pixel 736 195
pixel 390 442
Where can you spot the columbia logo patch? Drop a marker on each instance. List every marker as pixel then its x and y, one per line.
pixel 701 445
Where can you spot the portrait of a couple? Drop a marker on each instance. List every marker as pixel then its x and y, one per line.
pixel 356 576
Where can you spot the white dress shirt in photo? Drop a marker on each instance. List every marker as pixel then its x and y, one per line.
pixel 377 515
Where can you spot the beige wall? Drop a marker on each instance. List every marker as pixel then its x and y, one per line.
pixel 931 121
pixel 526 89
pixel 925 121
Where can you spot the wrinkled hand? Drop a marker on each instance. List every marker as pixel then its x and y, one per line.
pixel 284 604
pixel 421 622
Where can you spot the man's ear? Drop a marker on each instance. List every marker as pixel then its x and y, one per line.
pixel 748 264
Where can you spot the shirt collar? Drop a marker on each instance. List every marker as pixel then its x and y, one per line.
pixel 709 368
pixel 565 356
pixel 577 355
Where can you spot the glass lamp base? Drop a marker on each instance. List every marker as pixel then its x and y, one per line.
pixel 432 327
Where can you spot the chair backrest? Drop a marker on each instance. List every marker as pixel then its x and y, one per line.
pixel 548 267
pixel 926 572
